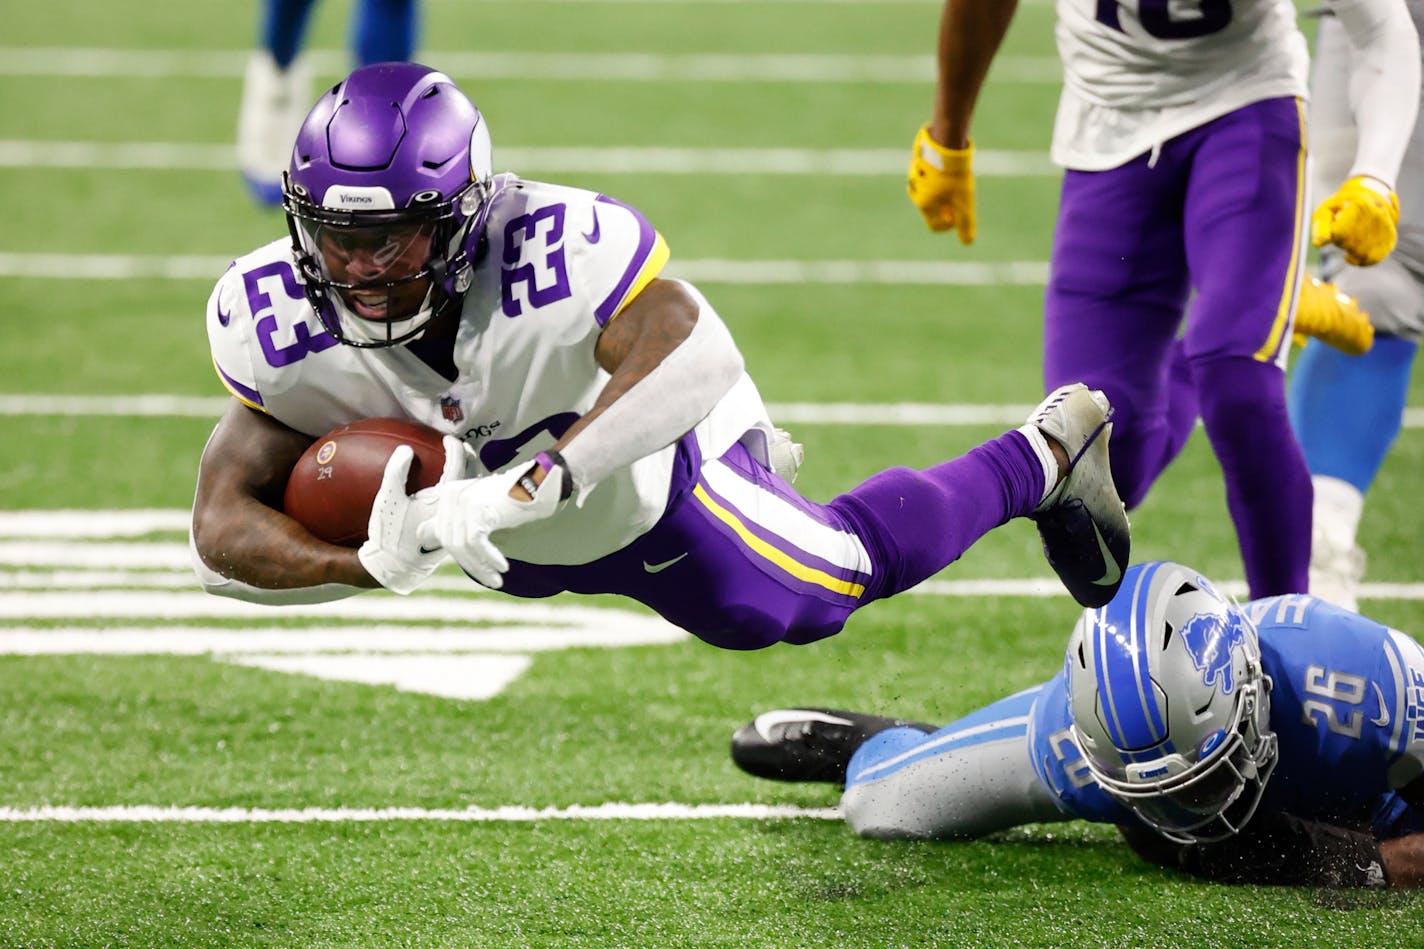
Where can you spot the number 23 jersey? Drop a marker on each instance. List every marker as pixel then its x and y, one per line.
pixel 560 263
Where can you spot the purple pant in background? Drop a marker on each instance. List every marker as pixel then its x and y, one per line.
pixel 1216 218
pixel 741 560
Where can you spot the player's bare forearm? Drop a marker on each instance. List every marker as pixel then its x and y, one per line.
pixel 970 34
pixel 1404 861
pixel 238 529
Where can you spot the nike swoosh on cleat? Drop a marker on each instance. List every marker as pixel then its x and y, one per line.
pixel 1383 718
pixel 660 567
pixel 766 721
pixel 593 235
pixel 428 550
pixel 1112 573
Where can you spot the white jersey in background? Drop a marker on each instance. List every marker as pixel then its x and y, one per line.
pixel 560 263
pixel 1139 72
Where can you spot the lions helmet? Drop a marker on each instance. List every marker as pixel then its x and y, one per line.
pixel 1170 705
pixel 385 198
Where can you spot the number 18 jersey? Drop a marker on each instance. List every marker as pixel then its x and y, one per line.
pixel 1139 72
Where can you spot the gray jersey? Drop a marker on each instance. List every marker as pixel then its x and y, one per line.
pixel 1392 291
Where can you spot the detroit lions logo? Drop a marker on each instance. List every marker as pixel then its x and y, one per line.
pixel 1210 641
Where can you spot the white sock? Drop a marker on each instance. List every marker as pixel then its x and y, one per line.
pixel 1338 506
pixel 1044 453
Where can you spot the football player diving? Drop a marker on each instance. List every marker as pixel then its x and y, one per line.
pixel 1183 222
pixel 1277 742
pixel 603 435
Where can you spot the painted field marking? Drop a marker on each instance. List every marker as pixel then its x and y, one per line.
pixel 512 814
pixel 528 161
pixel 838 68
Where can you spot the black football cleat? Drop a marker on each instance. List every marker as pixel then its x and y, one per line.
pixel 807 744
pixel 1082 522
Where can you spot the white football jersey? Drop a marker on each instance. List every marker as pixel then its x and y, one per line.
pixel 1139 72
pixel 560 263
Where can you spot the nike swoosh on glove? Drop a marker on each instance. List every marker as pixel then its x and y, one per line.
pixel 469 511
pixel 941 183
pixel 392 553
pixel 1362 219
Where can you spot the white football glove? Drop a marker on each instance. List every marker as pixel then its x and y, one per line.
pixel 469 511
pixel 392 554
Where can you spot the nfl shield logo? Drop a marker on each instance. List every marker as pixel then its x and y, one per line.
pixel 450 408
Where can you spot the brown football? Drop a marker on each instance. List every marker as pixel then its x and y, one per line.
pixel 332 486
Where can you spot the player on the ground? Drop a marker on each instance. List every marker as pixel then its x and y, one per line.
pixel 1277 742
pixel 1182 133
pixel 1348 410
pixel 277 84
pixel 616 444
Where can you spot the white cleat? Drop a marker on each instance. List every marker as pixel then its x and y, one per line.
pixel 1082 521
pixel 275 102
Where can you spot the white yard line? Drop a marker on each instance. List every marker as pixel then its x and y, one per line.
pixel 707 270
pixel 887 162
pixel 152 570
pixel 313 815
pixel 788 413
pixel 889 68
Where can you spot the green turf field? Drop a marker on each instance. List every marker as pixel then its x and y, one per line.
pixel 177 770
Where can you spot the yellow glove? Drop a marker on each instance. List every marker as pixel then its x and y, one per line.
pixel 941 184
pixel 1332 317
pixel 1362 219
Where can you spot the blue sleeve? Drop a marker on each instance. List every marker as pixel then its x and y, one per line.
pixel 1059 763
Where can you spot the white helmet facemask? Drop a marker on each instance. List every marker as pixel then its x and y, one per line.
pixel 1170 704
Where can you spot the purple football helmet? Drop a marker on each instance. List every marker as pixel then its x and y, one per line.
pixel 385 199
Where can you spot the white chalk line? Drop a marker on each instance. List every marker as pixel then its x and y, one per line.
pixel 849 68
pixel 141 814
pixel 942 273
pixel 794 413
pixel 873 162
pixel 93 555
pixel 786 413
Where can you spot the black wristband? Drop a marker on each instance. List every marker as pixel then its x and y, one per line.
pixel 549 460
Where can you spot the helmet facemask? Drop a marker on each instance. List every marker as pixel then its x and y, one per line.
pixel 1211 793
pixel 1171 705
pixel 377 278
pixel 386 198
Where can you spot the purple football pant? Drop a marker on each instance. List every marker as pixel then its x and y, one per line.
pixel 1216 218
pixel 741 560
